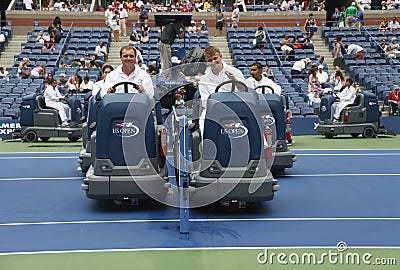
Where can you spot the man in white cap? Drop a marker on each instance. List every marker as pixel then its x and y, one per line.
pixel 108 14
pixel 322 76
pixel 351 14
pixel 203 27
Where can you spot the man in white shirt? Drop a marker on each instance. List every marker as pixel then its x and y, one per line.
pixel 58 5
pixel 108 14
pixel 299 67
pixel 394 24
pixel 53 99
pixel 322 76
pixel 123 15
pixel 216 73
pixel 129 71
pixel 257 79
pixel 101 50
pixel 235 16
pixel 2 42
pixel 28 4
pixel 343 98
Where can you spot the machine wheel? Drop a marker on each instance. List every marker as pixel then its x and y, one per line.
pixel 369 132
pixel 31 136
pixel 73 138
pixel 45 139
pixel 354 135
pixel 329 135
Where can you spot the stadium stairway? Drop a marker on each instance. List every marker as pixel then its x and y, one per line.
pixel 320 48
pixel 13 48
pixel 222 44
pixel 113 51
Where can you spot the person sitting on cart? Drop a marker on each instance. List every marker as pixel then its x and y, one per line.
pixel 257 79
pixel 53 100
pixel 344 98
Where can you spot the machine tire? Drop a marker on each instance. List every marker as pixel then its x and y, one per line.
pixel 329 135
pixel 369 132
pixel 31 136
pixel 355 135
pixel 73 138
pixel 45 139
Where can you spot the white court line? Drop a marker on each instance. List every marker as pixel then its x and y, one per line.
pixel 39 157
pixel 41 178
pixel 339 174
pixel 198 220
pixel 187 249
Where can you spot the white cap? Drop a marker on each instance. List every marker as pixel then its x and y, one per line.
pixel 203 22
pixel 353 3
pixel 320 66
pixel 63 75
pixel 110 6
pixel 193 22
pixel 154 62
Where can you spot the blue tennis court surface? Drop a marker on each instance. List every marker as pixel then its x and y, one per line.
pixel 329 196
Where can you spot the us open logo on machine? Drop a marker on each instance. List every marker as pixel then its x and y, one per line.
pixel 125 129
pixel 234 130
pixel 267 120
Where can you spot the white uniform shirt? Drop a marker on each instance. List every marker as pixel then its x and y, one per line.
pixel 348 95
pixel 138 76
pixel 51 96
pixel 209 81
pixel 264 81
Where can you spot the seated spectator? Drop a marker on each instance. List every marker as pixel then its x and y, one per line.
pixel 101 51
pixel 203 27
pixel 72 85
pixel 66 61
pixel 343 98
pixel 88 61
pixel 40 39
pixel 394 24
pixel 63 80
pixel 48 42
pixel 134 38
pixel 23 68
pixel 393 99
pixel 384 25
pixel 75 63
pixel 145 27
pixel 64 8
pixel 38 71
pixel 297 6
pixel 313 87
pixel 86 85
pixel 96 61
pixel 321 61
pixel 153 68
pixel 144 39
pixel 192 28
pixel 270 8
pixel 383 45
pixel 143 66
pixel 338 80
pixel 4 74
pixel 85 8
pixel 323 77
pixel 355 51
pixel 75 7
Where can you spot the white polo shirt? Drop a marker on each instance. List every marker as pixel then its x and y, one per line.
pixel 138 76
pixel 264 81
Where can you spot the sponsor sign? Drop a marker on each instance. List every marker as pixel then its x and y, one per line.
pixel 8 126
pixel 267 120
pixel 234 130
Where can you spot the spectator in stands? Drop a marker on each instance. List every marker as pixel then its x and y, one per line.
pixel 4 74
pixel 45 6
pixel 66 61
pixel 144 39
pixel 351 14
pixel 28 4
pixel 75 63
pixel 63 80
pixel 219 22
pixel 384 25
pixel 105 70
pixel 143 66
pixel 72 85
pixel 394 45
pixel 355 51
pixel 192 28
pixel 394 24
pixel 383 46
pixel 343 98
pixel 115 27
pixel 88 61
pixel 54 33
pixel 167 38
pixel 108 14
pixel 134 38
pixel 393 99
pixel 338 55
pixel 128 71
pixel 270 8
pixel 203 28
pixel 300 67
pixel 383 5
pixel 85 8
pixel 287 47
pixel 321 61
pixel 2 42
pixel 123 14
pixel 40 39
pixel 153 68
pixel 310 26
pixel 335 17
pixel 53 99
pixel 95 61
pixel 319 5
pixel 38 71
pixel 297 6
pixel 101 51
pixel 222 7
pixel 342 16
pixel 259 38
pixel 338 80
pixel 257 79
pixel 146 27
pixel 268 72
pixel 23 68
pixel 64 8
pixel 323 77
pixel 366 4
pixel 57 24
pixel 75 7
pixel 235 16
pixel 86 85
pixel 143 15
